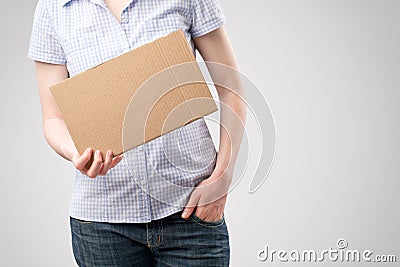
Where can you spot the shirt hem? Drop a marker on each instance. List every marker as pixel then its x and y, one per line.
pixel 47 58
pixel 204 29
pixel 121 220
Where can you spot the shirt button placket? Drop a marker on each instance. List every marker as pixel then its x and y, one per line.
pixel 124 18
pixel 124 33
pixel 143 181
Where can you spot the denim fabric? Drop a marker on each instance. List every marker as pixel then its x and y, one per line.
pixel 169 241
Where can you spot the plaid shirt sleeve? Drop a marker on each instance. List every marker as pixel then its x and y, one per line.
pixel 44 45
pixel 207 16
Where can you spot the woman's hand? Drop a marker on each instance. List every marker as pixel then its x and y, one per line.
pixel 97 167
pixel 208 198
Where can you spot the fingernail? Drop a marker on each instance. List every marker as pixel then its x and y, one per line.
pixel 109 153
pixel 87 149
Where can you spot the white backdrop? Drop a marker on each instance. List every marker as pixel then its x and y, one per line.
pixel 330 72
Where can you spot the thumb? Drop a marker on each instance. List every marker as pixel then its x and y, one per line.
pixel 190 206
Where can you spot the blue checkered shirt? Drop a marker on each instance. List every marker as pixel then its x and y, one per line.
pixel 154 180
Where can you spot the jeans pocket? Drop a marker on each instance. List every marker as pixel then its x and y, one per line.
pixel 202 222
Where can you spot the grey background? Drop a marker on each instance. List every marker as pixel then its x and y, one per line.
pixel 330 72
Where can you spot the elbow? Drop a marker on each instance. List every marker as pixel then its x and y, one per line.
pixel 49 125
pixel 45 131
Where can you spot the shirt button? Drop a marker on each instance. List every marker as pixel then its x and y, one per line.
pixel 143 182
pixel 124 19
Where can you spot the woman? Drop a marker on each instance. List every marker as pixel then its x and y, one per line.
pixel 114 221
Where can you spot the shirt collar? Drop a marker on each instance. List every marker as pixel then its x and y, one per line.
pixel 64 2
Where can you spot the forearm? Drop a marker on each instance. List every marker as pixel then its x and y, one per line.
pixel 57 136
pixel 232 121
pixel 54 129
pixel 218 54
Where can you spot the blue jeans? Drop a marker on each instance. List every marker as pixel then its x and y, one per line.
pixel 170 241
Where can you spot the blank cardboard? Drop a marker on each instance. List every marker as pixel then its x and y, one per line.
pixel 100 111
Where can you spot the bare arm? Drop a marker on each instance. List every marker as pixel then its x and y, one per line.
pixel 210 200
pixel 215 47
pixel 55 130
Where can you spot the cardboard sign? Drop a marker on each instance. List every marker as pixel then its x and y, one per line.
pixel 134 98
